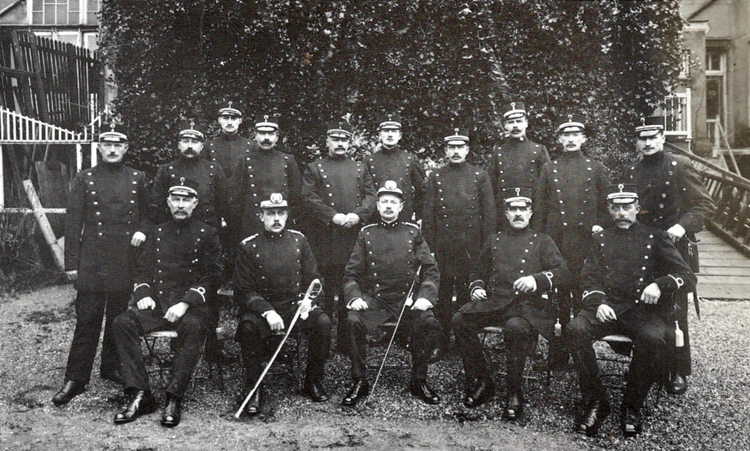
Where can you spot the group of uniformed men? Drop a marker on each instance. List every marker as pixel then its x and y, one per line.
pixel 612 255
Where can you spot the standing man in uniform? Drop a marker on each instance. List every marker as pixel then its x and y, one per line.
pixel 382 268
pixel 106 222
pixel 459 215
pixel 673 199
pixel 229 147
pixel 263 170
pixel 518 162
pixel 339 197
pixel 511 281
pixel 190 165
pixel 628 280
pixel 394 163
pixel 571 205
pixel 176 276
pixel 272 273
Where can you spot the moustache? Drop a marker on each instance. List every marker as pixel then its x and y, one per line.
pixel 518 218
pixel 266 142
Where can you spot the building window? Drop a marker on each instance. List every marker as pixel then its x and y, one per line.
pixel 65 12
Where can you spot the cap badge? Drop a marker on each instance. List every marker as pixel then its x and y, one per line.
pixel 512 105
pixel 621 187
pixel 570 117
pixel 265 118
pixel 112 126
pixel 182 180
pixel 276 198
pixel 192 124
pixel 230 104
pixel 643 121
pixel 390 184
pixel 456 130
pixel 518 191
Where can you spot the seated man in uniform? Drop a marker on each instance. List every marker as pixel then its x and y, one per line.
pixel 377 279
pixel 516 268
pixel 272 272
pixel 175 276
pixel 628 281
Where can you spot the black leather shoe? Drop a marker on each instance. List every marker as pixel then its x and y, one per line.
pixel 70 390
pixel 631 421
pixel 141 403
pixel 172 412
pixel 593 417
pixel 482 390
pixel 315 391
pixel 253 406
pixel 514 406
pixel 677 384
pixel 421 390
pixel 359 390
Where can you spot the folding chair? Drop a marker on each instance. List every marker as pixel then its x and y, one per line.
pixel 492 340
pixel 398 360
pixel 620 345
pixel 164 359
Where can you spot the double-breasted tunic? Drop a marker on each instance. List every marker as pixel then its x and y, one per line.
pixel 181 262
pixel 334 185
pixel 571 197
pixel 508 256
pixel 516 164
pixel 259 174
pixel 670 192
pixel 227 150
pixel 459 215
pixel 403 168
pixel 271 271
pixel 622 262
pixel 383 266
pixel 107 205
pixel 211 197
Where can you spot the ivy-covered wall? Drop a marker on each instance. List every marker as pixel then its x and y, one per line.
pixel 440 63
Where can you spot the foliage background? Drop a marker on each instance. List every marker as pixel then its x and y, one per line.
pixel 439 63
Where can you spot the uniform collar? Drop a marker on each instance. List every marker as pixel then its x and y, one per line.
pixel 390 150
pixel 227 137
pixel 456 165
pixel 656 158
pixel 273 235
pixel 180 224
pixel 519 139
pixel 390 225
pixel 111 166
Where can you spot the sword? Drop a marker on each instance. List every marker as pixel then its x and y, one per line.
pixel 312 292
pixel 409 301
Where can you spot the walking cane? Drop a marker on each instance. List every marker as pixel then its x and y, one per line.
pixel 312 292
pixel 409 301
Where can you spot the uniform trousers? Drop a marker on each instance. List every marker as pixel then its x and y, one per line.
pixel 520 338
pixel 333 276
pixel 257 343
pixel 649 334
pixel 91 307
pixel 449 281
pixel 421 326
pixel 192 330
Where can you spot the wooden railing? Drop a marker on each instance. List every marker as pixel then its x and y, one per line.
pixel 731 194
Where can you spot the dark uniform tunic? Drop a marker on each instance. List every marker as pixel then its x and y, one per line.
pixel 227 150
pixel 506 257
pixel 671 192
pixel 334 185
pixel 181 262
pixel 459 216
pixel 259 174
pixel 210 177
pixel 571 198
pixel 381 270
pixel 107 205
pixel 620 264
pixel 516 164
pixel 403 168
pixel 271 272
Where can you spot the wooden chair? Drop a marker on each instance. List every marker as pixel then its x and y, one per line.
pixel 492 340
pixel 618 343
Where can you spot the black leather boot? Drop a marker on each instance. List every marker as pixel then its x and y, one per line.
pixel 69 390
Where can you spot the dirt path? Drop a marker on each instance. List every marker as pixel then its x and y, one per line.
pixel 36 329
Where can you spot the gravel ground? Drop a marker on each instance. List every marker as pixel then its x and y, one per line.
pixel 36 329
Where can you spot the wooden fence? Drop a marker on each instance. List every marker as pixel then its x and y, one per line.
pixel 48 80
